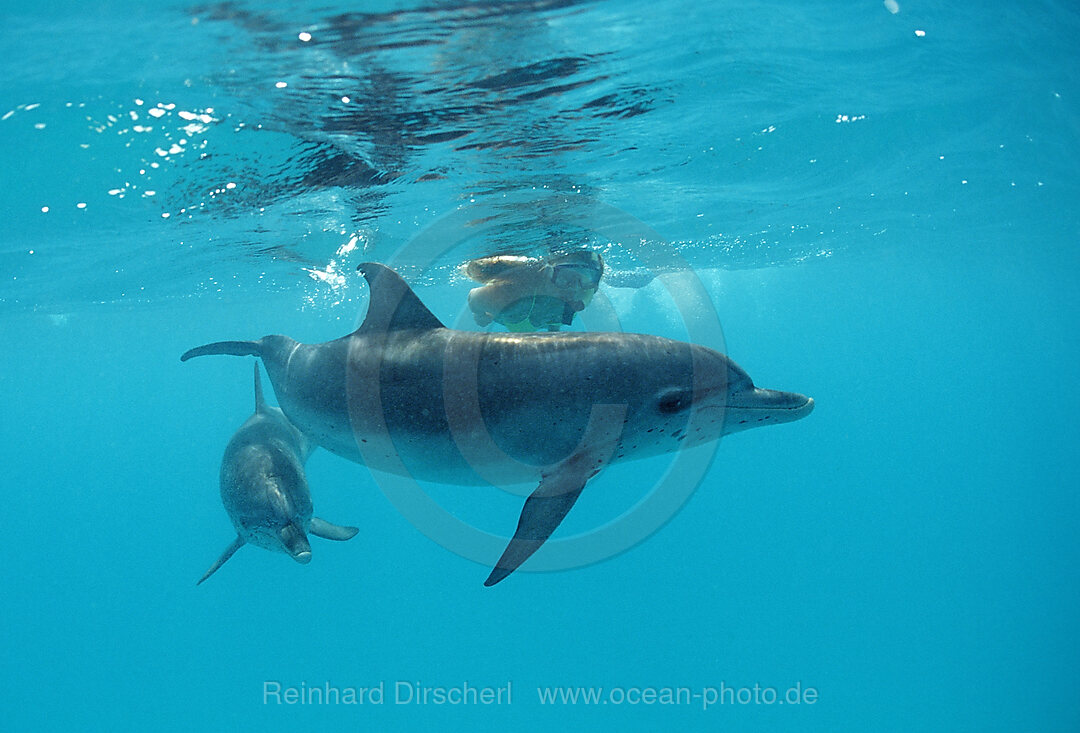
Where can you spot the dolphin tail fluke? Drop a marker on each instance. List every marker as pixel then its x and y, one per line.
pixel 230 348
pixel 329 531
pixel 543 512
pixel 236 545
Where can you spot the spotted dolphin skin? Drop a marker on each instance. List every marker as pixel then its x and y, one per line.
pixel 264 488
pixel 407 395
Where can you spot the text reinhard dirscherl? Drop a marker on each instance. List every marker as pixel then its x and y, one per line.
pixel 400 692
pixel 404 692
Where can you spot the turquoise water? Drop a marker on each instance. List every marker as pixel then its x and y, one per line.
pixel 883 208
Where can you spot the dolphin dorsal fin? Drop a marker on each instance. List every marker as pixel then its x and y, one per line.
pixel 393 305
pixel 260 402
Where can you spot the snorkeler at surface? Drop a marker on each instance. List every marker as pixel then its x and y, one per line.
pixel 529 293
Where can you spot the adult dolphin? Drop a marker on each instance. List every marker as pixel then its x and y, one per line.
pixel 264 488
pixel 405 394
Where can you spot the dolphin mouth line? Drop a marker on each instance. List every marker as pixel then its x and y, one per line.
pixel 802 405
pixel 803 408
pixel 777 408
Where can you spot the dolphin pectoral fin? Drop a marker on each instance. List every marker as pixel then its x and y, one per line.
pixel 328 531
pixel 543 512
pixel 236 545
pixel 560 487
pixel 231 348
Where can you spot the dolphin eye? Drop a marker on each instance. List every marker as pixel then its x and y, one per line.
pixel 675 400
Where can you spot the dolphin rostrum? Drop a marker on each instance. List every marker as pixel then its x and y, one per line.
pixel 407 395
pixel 264 489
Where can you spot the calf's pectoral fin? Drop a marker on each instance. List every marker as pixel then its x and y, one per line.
pixel 236 545
pixel 328 531
pixel 543 512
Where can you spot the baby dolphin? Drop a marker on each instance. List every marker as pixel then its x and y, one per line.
pixel 264 489
pixel 404 394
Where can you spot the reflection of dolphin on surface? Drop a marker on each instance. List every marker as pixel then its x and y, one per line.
pixel 264 489
pixel 405 394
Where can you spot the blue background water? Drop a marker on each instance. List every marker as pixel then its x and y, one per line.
pixel 885 220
